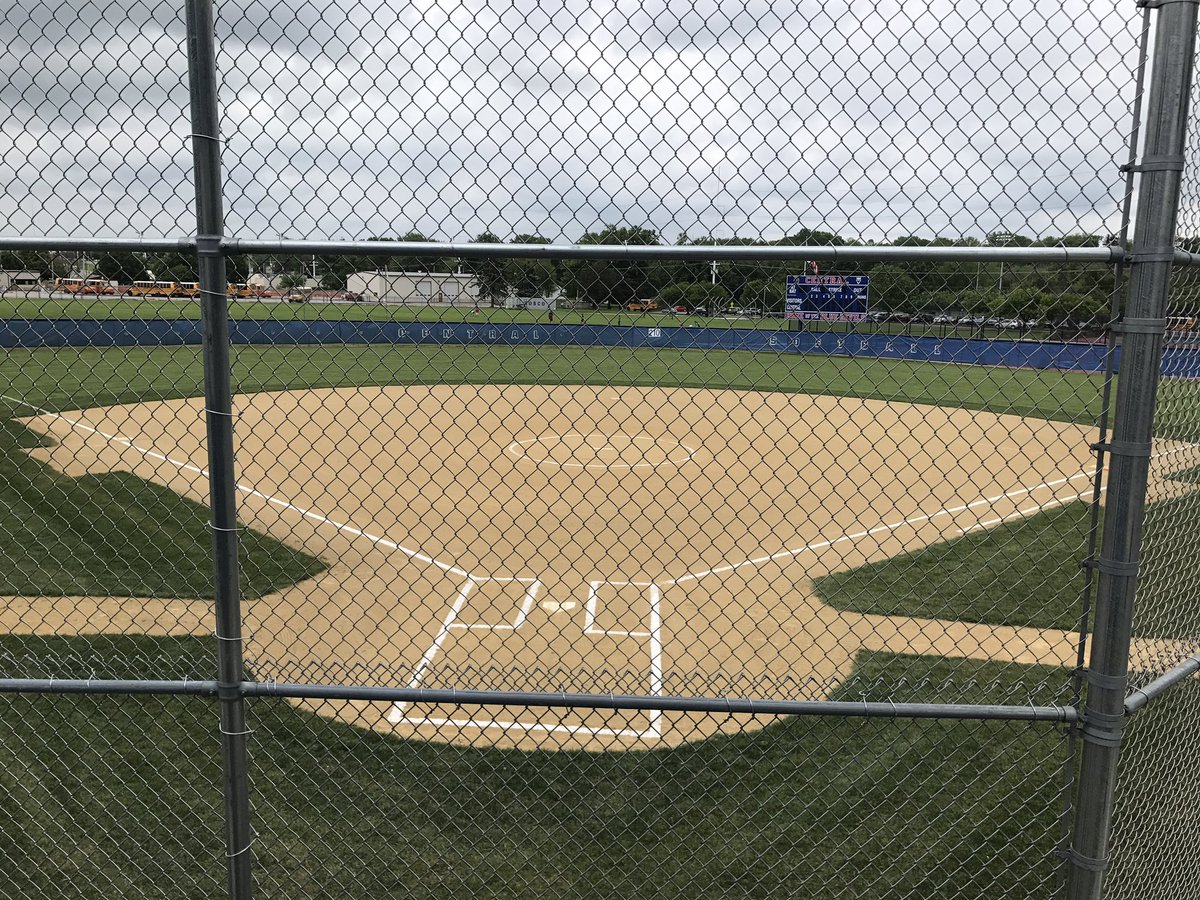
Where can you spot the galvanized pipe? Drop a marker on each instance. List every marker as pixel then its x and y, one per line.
pixel 467 250
pixel 542 699
pixel 1141 697
pixel 1129 447
pixel 218 402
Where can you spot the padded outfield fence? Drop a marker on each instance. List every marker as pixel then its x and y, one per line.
pixel 416 482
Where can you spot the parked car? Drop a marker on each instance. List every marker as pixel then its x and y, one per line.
pixel 295 297
pixel 700 311
pixel 679 309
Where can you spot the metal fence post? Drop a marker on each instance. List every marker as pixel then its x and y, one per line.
pixel 202 69
pixel 1142 333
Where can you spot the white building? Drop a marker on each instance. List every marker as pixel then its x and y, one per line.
pixel 418 288
pixel 19 280
pixel 262 282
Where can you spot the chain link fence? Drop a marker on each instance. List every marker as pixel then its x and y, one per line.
pixel 564 450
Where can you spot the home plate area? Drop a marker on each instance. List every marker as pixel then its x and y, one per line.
pixel 507 634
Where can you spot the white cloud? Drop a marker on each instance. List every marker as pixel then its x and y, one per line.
pixel 558 116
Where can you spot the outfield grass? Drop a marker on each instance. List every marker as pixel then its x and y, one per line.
pixel 58 378
pixel 119 797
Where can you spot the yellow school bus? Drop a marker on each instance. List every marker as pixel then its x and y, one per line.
pixel 153 289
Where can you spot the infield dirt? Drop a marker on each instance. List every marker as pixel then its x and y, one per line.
pixel 589 539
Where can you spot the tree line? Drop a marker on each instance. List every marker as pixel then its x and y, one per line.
pixel 1054 293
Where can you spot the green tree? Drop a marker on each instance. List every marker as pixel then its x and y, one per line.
pixel 533 277
pixel 121 266
pixel 336 269
pixel 1023 303
pixel 767 294
pixel 26 261
pixel 173 266
pixel 489 272
pixel 893 290
pixel 615 281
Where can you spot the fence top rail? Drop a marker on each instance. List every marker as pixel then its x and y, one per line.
pixel 470 250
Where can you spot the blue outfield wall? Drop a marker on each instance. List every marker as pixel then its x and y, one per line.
pixel 27 333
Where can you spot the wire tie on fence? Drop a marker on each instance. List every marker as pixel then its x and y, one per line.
pixel 1123 448
pixel 1164 163
pixel 221 637
pixel 240 852
pixel 207 137
pixel 1134 325
pixel 235 733
pixel 235 528
pixel 1091 863
pixel 219 412
pixel 1107 682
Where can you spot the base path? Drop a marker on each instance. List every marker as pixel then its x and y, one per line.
pixel 593 539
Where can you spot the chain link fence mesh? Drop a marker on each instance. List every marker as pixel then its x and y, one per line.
pixel 622 467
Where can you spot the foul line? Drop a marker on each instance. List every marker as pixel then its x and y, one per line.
pixel 924 517
pixel 396 714
pixel 879 529
pixel 274 501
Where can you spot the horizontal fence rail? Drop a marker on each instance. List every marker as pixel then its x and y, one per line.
pixel 722 705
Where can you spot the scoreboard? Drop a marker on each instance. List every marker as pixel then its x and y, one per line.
pixel 827 298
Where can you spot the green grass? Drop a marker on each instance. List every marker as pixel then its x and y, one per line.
pixel 65 379
pixel 1187 476
pixel 120 797
pixel 1026 572
pixel 115 534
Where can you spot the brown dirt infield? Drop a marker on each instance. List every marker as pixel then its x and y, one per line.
pixel 588 539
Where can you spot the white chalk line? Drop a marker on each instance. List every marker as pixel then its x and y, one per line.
pixel 880 529
pixel 526 607
pixel 396 714
pixel 310 514
pixel 527 726
pixel 656 656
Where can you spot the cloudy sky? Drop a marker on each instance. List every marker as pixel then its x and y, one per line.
pixel 353 118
